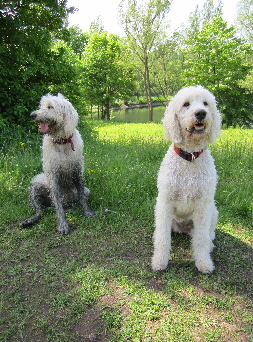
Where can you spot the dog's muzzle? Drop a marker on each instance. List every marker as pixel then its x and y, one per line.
pixel 200 115
pixel 33 115
pixel 42 125
pixel 199 126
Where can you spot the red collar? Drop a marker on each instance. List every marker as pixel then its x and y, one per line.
pixel 186 155
pixel 65 141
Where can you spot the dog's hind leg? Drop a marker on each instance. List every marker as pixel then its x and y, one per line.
pixel 214 221
pixel 83 195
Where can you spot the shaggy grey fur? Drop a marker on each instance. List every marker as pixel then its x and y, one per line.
pixel 61 184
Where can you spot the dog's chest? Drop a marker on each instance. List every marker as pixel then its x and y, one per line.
pixel 184 181
pixel 61 158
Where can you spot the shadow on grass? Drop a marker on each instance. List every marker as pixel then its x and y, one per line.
pixel 78 287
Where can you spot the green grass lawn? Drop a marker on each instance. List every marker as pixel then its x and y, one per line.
pixel 96 284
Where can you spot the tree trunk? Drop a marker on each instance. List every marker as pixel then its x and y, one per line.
pixel 148 89
pixel 106 111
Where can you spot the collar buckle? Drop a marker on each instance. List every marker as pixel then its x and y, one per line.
pixel 186 155
pixel 193 156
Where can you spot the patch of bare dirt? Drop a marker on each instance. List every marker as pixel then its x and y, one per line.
pixel 90 327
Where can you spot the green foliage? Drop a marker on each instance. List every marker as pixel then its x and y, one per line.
pixel 106 76
pixel 27 64
pixel 66 74
pixel 217 59
pixel 143 23
pixel 38 54
pixel 77 39
pixel 200 17
pixel 244 20
pixel 166 67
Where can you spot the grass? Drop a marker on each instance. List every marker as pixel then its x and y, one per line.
pixel 96 284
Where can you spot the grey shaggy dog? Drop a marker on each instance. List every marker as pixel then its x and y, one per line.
pixel 61 184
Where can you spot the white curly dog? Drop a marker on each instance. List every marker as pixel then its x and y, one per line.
pixel 187 177
pixel 61 184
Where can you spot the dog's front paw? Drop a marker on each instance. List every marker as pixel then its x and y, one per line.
pixel 31 220
pixel 26 223
pixel 205 266
pixel 158 265
pixel 90 214
pixel 63 228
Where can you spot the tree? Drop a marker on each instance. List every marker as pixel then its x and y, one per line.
pixel 201 16
pixel 144 27
pixel 244 19
pixel 27 63
pixel 96 26
pixel 106 74
pixel 76 40
pixel 217 59
pixel 244 24
pixel 166 67
pixel 65 74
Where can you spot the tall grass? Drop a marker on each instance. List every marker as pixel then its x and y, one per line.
pixel 96 284
pixel 233 153
pixel 125 163
pixel 131 155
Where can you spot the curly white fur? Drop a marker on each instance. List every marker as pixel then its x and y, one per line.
pixel 61 184
pixel 186 189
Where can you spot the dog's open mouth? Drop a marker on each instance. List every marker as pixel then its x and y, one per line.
pixel 45 126
pixel 197 128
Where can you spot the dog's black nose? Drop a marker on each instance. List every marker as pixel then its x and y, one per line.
pixel 33 115
pixel 200 114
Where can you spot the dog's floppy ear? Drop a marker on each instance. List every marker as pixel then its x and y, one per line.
pixel 216 125
pixel 70 117
pixel 171 123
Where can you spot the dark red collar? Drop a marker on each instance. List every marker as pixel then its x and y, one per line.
pixel 186 155
pixel 65 141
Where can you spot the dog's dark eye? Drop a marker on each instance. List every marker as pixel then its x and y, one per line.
pixel 186 104
pixel 50 107
pixel 205 103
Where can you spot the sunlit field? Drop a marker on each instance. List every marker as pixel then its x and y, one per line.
pixel 96 283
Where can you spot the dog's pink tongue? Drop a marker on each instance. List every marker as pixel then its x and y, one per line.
pixel 43 127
